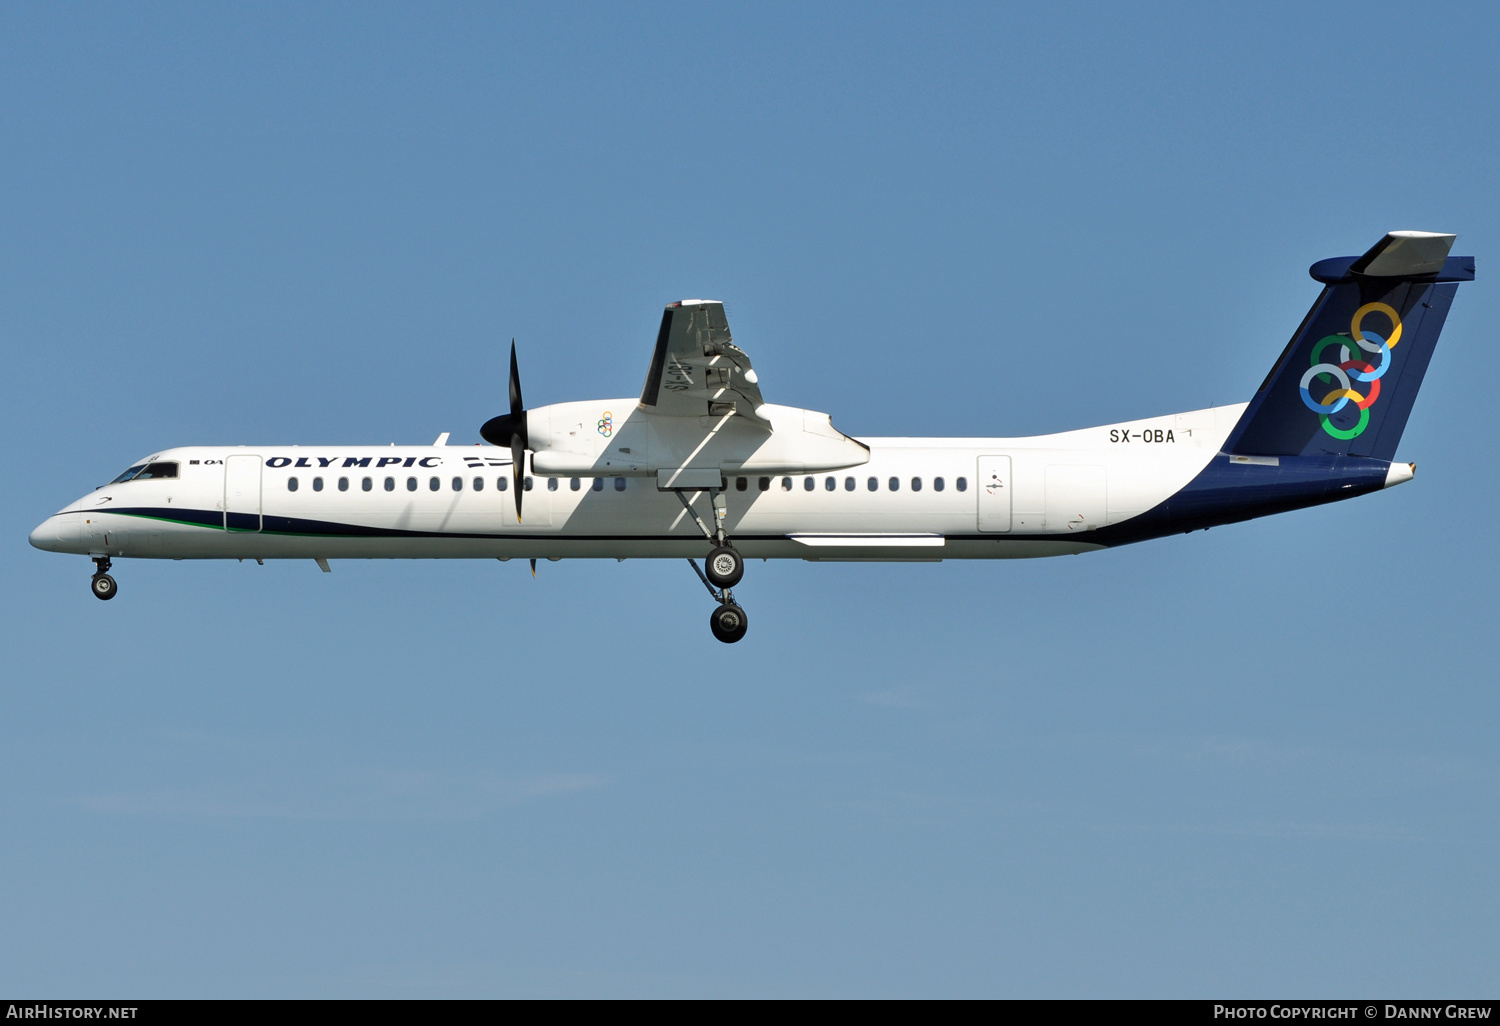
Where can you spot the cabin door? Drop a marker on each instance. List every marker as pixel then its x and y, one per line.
pixel 242 493
pixel 1075 499
pixel 993 488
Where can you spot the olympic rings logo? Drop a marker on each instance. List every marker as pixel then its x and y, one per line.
pixel 1348 367
pixel 606 424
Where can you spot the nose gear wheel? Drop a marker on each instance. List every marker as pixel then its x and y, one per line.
pixel 103 586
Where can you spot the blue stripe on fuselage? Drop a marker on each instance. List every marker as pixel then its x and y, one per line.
pixel 1226 492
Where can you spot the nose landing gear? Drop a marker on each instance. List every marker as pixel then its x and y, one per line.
pixel 103 586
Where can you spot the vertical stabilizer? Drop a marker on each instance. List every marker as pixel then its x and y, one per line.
pixel 1346 382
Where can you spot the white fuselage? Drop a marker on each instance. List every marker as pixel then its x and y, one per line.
pixel 914 499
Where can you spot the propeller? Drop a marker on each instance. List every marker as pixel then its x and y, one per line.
pixel 509 429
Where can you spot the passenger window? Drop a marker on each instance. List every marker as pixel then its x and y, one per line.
pixel 458 484
pixel 551 484
pixel 937 484
pixel 765 484
pixel 366 484
pixel 962 484
pixel 501 484
pixel 829 484
pixel 873 484
pixel 619 484
pixel 343 484
pixel 916 484
pixel 575 484
pixel 526 485
pixel 848 484
pixel 433 484
pixel 317 484
pixel 809 484
pixel 786 484
pixel 740 484
pixel 598 484
pixel 479 484
pixel 291 484
pixel 895 484
pixel 411 484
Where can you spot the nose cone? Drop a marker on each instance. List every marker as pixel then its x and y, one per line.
pixel 58 533
pixel 44 535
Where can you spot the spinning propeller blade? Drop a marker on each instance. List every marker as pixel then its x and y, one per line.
pixel 517 437
pixel 509 429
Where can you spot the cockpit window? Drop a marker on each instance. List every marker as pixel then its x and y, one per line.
pixel 146 471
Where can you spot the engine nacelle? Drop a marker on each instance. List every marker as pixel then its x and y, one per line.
pixel 590 439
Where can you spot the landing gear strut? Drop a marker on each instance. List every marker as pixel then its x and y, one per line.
pixel 721 571
pixel 103 585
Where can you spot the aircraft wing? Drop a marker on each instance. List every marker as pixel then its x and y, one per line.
pixel 697 370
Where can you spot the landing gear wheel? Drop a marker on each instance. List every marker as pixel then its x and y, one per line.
pixel 725 566
pixel 104 587
pixel 729 623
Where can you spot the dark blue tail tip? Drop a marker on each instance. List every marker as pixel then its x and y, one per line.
pixel 1339 270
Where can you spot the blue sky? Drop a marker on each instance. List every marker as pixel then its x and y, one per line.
pixel 1254 761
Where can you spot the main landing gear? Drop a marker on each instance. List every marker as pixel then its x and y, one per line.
pixel 728 621
pixel 103 585
pixel 721 571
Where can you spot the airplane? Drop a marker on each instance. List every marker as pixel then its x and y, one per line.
pixel 700 466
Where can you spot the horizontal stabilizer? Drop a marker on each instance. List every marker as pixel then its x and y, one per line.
pixel 1399 256
pixel 1405 255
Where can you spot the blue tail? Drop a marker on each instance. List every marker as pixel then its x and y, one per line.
pixel 1345 384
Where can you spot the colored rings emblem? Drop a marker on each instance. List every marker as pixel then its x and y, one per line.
pixel 1348 370
pixel 606 424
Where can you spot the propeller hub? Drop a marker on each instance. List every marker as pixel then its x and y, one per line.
pixel 505 429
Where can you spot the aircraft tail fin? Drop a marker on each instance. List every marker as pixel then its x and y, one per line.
pixel 1346 381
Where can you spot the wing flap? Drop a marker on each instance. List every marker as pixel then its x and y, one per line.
pixel 697 370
